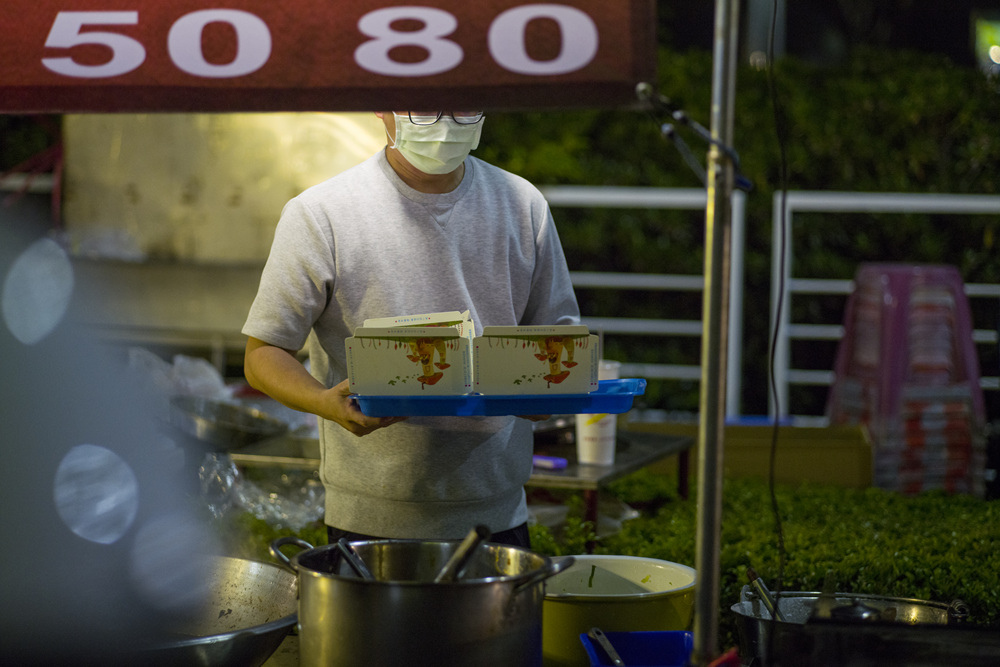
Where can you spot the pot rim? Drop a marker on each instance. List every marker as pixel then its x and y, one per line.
pixel 512 579
pixel 850 596
pixel 463 583
pixel 262 629
pixel 625 597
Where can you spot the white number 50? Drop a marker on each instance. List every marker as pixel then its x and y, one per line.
pixel 253 47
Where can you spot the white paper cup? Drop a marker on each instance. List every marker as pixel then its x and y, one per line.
pixel 595 434
pixel 608 370
pixel 595 439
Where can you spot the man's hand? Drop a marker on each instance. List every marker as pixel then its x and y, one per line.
pixel 338 406
pixel 276 372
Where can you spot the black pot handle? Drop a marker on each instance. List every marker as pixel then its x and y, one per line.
pixel 958 612
pixel 283 560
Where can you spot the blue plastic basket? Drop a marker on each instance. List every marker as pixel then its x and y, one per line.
pixel 643 649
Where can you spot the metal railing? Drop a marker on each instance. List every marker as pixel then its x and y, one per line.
pixel 664 198
pixel 784 285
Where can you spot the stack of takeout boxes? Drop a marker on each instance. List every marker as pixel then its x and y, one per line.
pixel 440 354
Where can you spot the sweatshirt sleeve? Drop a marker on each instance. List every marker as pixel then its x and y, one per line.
pixel 552 299
pixel 297 279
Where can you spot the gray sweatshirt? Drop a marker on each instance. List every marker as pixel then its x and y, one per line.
pixel 364 244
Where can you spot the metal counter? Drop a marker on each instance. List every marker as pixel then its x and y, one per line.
pixel 634 450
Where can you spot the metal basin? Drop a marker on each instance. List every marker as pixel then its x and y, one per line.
pixel 754 624
pixel 250 609
pixel 220 424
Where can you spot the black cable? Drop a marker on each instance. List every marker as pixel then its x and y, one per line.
pixel 781 134
pixel 681 117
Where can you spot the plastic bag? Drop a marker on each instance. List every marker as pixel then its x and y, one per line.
pixel 287 499
pixel 193 376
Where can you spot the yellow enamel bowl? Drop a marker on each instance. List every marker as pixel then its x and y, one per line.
pixel 615 594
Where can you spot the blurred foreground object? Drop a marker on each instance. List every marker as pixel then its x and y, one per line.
pixel 100 550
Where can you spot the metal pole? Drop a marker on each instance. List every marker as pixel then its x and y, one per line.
pixel 715 309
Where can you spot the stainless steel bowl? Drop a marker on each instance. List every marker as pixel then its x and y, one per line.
pixel 250 609
pixel 754 625
pixel 224 425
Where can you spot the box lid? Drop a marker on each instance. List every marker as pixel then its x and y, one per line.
pixel 552 330
pixel 448 318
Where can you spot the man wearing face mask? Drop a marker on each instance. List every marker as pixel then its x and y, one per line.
pixel 420 227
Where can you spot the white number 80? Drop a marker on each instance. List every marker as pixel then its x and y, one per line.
pixel 506 40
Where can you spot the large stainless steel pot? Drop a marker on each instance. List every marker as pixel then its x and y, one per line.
pixel 491 616
pixel 249 610
pixel 754 624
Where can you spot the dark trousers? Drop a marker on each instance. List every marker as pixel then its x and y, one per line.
pixel 516 537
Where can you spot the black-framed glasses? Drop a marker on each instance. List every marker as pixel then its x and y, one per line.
pixel 431 117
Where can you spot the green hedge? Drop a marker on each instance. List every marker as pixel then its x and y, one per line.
pixel 928 547
pixel 884 121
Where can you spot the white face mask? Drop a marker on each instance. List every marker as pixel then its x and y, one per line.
pixel 440 148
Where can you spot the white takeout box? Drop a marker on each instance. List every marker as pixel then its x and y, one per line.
pixel 558 359
pixel 428 354
pixel 452 318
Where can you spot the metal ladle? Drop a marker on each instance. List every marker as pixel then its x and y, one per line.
pixel 354 560
pixel 598 636
pixel 455 566
pixel 765 595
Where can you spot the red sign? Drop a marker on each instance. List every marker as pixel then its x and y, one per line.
pixel 322 55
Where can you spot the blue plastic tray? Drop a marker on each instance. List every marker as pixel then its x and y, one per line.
pixel 611 397
pixel 643 649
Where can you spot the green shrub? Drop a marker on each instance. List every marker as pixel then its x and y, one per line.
pixel 242 535
pixel 928 547
pixel 883 121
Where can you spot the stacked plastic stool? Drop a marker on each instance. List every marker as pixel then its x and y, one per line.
pixel 907 368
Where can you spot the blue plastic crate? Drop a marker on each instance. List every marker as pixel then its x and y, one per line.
pixel 643 649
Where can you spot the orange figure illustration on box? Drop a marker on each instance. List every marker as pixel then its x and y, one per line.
pixel 550 351
pixel 423 350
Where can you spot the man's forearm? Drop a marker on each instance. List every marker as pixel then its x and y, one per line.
pixel 277 373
